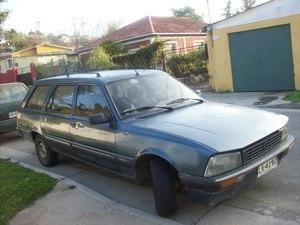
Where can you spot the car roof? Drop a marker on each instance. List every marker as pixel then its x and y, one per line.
pixel 12 83
pixel 104 77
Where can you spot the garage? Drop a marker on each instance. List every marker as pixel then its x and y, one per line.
pixel 256 50
pixel 262 59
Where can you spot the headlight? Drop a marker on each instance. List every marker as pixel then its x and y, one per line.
pixel 284 131
pixel 222 163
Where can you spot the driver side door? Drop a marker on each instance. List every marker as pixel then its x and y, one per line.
pixel 93 143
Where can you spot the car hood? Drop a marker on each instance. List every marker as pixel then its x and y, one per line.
pixel 219 126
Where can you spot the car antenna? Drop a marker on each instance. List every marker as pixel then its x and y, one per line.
pixel 98 74
pixel 136 73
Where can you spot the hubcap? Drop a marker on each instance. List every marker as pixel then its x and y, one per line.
pixel 42 150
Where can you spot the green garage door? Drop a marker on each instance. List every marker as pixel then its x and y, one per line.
pixel 262 59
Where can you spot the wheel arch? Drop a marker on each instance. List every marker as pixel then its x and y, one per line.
pixel 143 159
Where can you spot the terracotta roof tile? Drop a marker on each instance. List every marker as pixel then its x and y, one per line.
pixel 147 26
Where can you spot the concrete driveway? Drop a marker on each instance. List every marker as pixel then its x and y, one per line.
pixel 257 99
pixel 272 199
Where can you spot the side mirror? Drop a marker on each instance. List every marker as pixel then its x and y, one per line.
pixel 99 118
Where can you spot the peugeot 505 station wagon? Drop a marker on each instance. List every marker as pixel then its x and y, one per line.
pixel 146 125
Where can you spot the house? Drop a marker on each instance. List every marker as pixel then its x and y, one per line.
pixel 181 34
pixel 40 54
pixel 257 50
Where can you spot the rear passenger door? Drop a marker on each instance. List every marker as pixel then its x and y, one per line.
pixel 56 121
pixel 30 113
pixel 94 143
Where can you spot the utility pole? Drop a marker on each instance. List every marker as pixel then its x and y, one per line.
pixel 208 11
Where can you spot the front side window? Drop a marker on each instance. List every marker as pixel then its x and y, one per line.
pixel 37 99
pixel 91 101
pixel 61 102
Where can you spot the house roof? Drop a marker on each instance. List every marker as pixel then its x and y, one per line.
pixel 50 50
pixel 44 44
pixel 150 25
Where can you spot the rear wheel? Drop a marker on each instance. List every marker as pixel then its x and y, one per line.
pixel 164 181
pixel 46 156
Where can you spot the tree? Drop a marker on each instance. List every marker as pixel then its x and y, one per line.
pixel 111 27
pixel 3 16
pixel 100 59
pixel 187 11
pixel 14 41
pixel 227 10
pixel 247 4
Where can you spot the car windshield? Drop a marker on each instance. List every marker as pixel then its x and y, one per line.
pixel 149 92
pixel 12 92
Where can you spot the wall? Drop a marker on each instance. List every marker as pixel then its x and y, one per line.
pixel 25 61
pixel 219 52
pixel 186 43
pixel 48 59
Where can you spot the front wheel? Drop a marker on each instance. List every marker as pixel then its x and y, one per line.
pixel 163 181
pixel 46 156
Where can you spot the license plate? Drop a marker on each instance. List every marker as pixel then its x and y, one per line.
pixel 267 166
pixel 12 114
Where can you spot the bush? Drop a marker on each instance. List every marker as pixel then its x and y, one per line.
pixel 194 63
pixel 100 59
pixel 145 58
pixel 113 48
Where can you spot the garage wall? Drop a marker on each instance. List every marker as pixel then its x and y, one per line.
pixel 219 52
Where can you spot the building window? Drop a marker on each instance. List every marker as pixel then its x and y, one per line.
pixel 198 44
pixel 171 48
pixel 8 63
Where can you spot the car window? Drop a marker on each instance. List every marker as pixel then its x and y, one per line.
pixel 12 92
pixel 37 99
pixel 62 100
pixel 90 101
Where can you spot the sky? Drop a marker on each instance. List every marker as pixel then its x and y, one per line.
pixel 91 16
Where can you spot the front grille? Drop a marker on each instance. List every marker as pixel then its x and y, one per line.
pixel 261 147
pixel 4 116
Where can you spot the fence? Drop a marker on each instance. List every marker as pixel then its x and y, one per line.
pixel 25 75
pixel 200 82
pixel 8 77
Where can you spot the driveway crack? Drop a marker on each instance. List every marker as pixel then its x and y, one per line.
pixel 213 207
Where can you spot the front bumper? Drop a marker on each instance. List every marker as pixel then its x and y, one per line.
pixel 218 188
pixel 7 126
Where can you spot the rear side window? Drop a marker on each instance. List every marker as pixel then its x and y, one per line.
pixel 90 101
pixel 37 99
pixel 61 100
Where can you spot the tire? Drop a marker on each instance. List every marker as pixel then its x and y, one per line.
pixel 163 181
pixel 46 156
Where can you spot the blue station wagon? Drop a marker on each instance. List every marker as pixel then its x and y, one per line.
pixel 147 126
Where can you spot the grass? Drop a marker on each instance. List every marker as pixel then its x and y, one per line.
pixel 293 96
pixel 20 187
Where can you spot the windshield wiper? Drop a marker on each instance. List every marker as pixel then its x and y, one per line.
pixel 184 99
pixel 144 108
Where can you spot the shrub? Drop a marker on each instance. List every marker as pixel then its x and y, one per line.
pixel 113 48
pixel 194 63
pixel 100 59
pixel 145 58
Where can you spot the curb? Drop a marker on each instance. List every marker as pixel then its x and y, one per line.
pixel 113 205
pixel 283 106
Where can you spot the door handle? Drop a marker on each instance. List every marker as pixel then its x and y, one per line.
pixel 78 125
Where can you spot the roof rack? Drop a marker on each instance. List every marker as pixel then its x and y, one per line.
pixel 136 73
